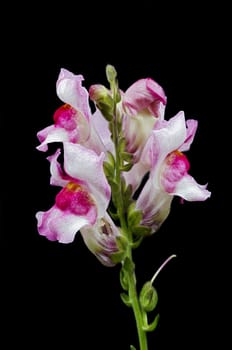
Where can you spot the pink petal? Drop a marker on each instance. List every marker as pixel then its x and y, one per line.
pixel 58 178
pixel 142 94
pixel 70 90
pixel 101 239
pixel 101 126
pixel 58 225
pixel 191 131
pixel 51 134
pixel 84 164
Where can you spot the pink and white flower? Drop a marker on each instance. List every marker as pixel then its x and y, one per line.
pixel 169 167
pixel 82 201
pixel 143 105
pixel 72 121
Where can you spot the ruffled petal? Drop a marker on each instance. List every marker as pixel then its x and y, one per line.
pixel 101 239
pixel 58 225
pixel 84 164
pixel 188 189
pixel 165 139
pixel 58 177
pixel 155 205
pixel 101 126
pixel 142 94
pixel 51 134
pixel 191 131
pixel 70 90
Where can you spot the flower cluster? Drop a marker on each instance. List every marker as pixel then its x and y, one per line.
pixel 119 167
pixel 122 164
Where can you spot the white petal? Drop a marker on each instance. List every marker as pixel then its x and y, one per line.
pixel 57 225
pixel 190 190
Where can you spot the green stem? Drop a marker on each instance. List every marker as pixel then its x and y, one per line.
pixel 137 312
pixel 142 336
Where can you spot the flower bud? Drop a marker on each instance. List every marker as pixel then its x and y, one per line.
pixel 103 99
pixel 148 297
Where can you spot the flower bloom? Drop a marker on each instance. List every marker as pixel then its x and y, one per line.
pixel 82 201
pixel 163 156
pixel 72 121
pixel 143 105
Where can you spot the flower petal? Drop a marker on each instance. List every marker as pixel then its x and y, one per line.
pixel 101 126
pixel 51 134
pixel 58 225
pixel 191 131
pixel 165 138
pixel 142 94
pixel 58 178
pixel 101 239
pixel 70 90
pixel 188 189
pixel 84 164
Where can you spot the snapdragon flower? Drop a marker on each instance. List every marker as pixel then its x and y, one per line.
pixel 82 201
pixel 168 177
pixel 72 120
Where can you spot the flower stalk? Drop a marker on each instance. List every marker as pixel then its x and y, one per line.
pixel 106 155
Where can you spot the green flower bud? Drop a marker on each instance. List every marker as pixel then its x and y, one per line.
pixel 111 73
pixel 103 99
pixel 148 297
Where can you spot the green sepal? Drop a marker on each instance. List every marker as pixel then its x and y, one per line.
pixel 118 96
pixel 123 279
pixel 134 216
pixel 148 297
pixel 125 298
pixel 106 105
pixel 110 159
pixel 122 244
pixel 127 156
pixel 117 257
pixel 114 185
pixel 113 215
pixel 126 167
pixel 141 230
pixel 137 242
pixel 132 347
pixel 152 326
pixel 108 170
pixel 121 144
pixel 129 266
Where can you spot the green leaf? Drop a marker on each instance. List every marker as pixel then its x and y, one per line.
pixel 125 298
pixel 151 327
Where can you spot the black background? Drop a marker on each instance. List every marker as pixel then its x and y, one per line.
pixel 60 295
